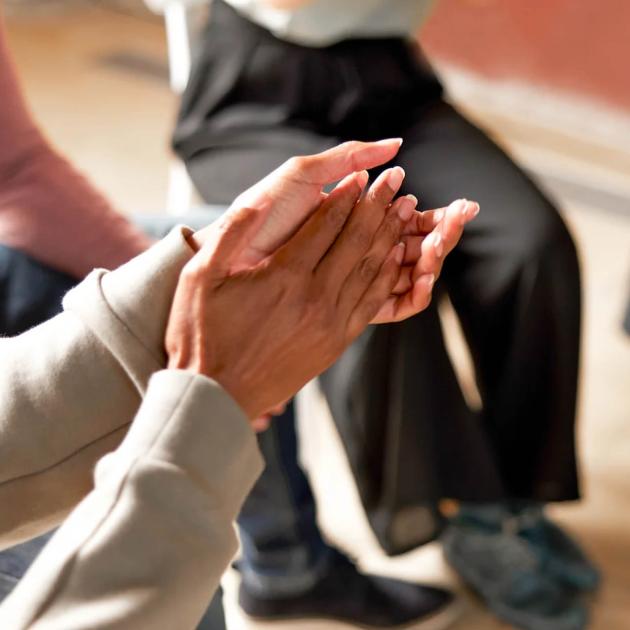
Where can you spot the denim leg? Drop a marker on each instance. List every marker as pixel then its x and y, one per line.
pixel 283 550
pixel 15 561
pixel 214 619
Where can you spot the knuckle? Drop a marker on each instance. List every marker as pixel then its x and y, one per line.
pixel 297 163
pixel 391 227
pixel 336 216
pixel 352 148
pixel 368 268
pixel 381 195
pixel 289 266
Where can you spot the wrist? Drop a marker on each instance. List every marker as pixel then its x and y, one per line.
pixel 195 363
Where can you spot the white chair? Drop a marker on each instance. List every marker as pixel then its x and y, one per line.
pixel 182 19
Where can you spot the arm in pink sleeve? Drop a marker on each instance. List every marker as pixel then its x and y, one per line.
pixel 47 208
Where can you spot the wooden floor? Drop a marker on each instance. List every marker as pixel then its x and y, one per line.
pixel 96 81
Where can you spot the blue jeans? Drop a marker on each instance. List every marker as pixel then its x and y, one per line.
pixel 283 550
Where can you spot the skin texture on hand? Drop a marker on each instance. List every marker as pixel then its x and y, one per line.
pixel 279 288
pixel 290 194
pixel 264 331
pixel 428 237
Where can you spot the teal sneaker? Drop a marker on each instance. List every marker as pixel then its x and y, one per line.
pixel 561 556
pixel 505 571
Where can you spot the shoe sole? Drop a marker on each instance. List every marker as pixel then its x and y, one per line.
pixel 438 621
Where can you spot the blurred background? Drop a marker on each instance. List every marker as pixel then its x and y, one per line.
pixel 548 81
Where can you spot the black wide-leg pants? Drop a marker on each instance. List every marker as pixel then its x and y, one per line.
pixel 254 101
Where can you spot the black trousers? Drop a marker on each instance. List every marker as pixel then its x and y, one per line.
pixel 252 102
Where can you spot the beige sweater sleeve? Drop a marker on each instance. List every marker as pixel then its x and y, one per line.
pixel 147 547
pixel 153 531
pixel 70 387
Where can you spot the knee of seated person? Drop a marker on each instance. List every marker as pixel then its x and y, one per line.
pixel 544 236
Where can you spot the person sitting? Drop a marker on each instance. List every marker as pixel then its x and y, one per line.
pixel 155 373
pixel 277 77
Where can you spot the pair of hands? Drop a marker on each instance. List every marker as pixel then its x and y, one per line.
pixel 290 276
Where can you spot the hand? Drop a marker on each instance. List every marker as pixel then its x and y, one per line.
pixel 262 423
pixel 263 332
pixel 291 193
pixel 429 237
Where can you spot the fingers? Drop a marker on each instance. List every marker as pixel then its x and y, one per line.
pixel 311 242
pixel 262 423
pixel 371 217
pixel 413 288
pixel 446 225
pixel 428 261
pixel 338 162
pixel 424 222
pixel 229 236
pixel 439 243
pixel 367 269
pixel 397 308
pixel 373 299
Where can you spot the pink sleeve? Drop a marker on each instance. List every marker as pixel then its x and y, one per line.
pixel 47 208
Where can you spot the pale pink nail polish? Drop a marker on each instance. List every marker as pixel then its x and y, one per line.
pixel 395 178
pixel 362 178
pixel 389 141
pixel 400 253
pixel 405 209
pixel 413 199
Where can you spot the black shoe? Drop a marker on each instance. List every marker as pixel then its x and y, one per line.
pixel 343 594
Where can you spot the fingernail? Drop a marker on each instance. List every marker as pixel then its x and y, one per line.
pixel 395 178
pixel 439 215
pixel 389 141
pixel 406 208
pixel 413 199
pixel 472 209
pixel 400 253
pixel 362 178
pixel 459 207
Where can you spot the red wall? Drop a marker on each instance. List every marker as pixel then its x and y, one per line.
pixel 582 46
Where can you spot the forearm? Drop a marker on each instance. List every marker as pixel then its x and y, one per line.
pixel 70 387
pixel 47 208
pixel 166 498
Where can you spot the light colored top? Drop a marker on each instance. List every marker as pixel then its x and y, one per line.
pixel 324 22
pixel 153 530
